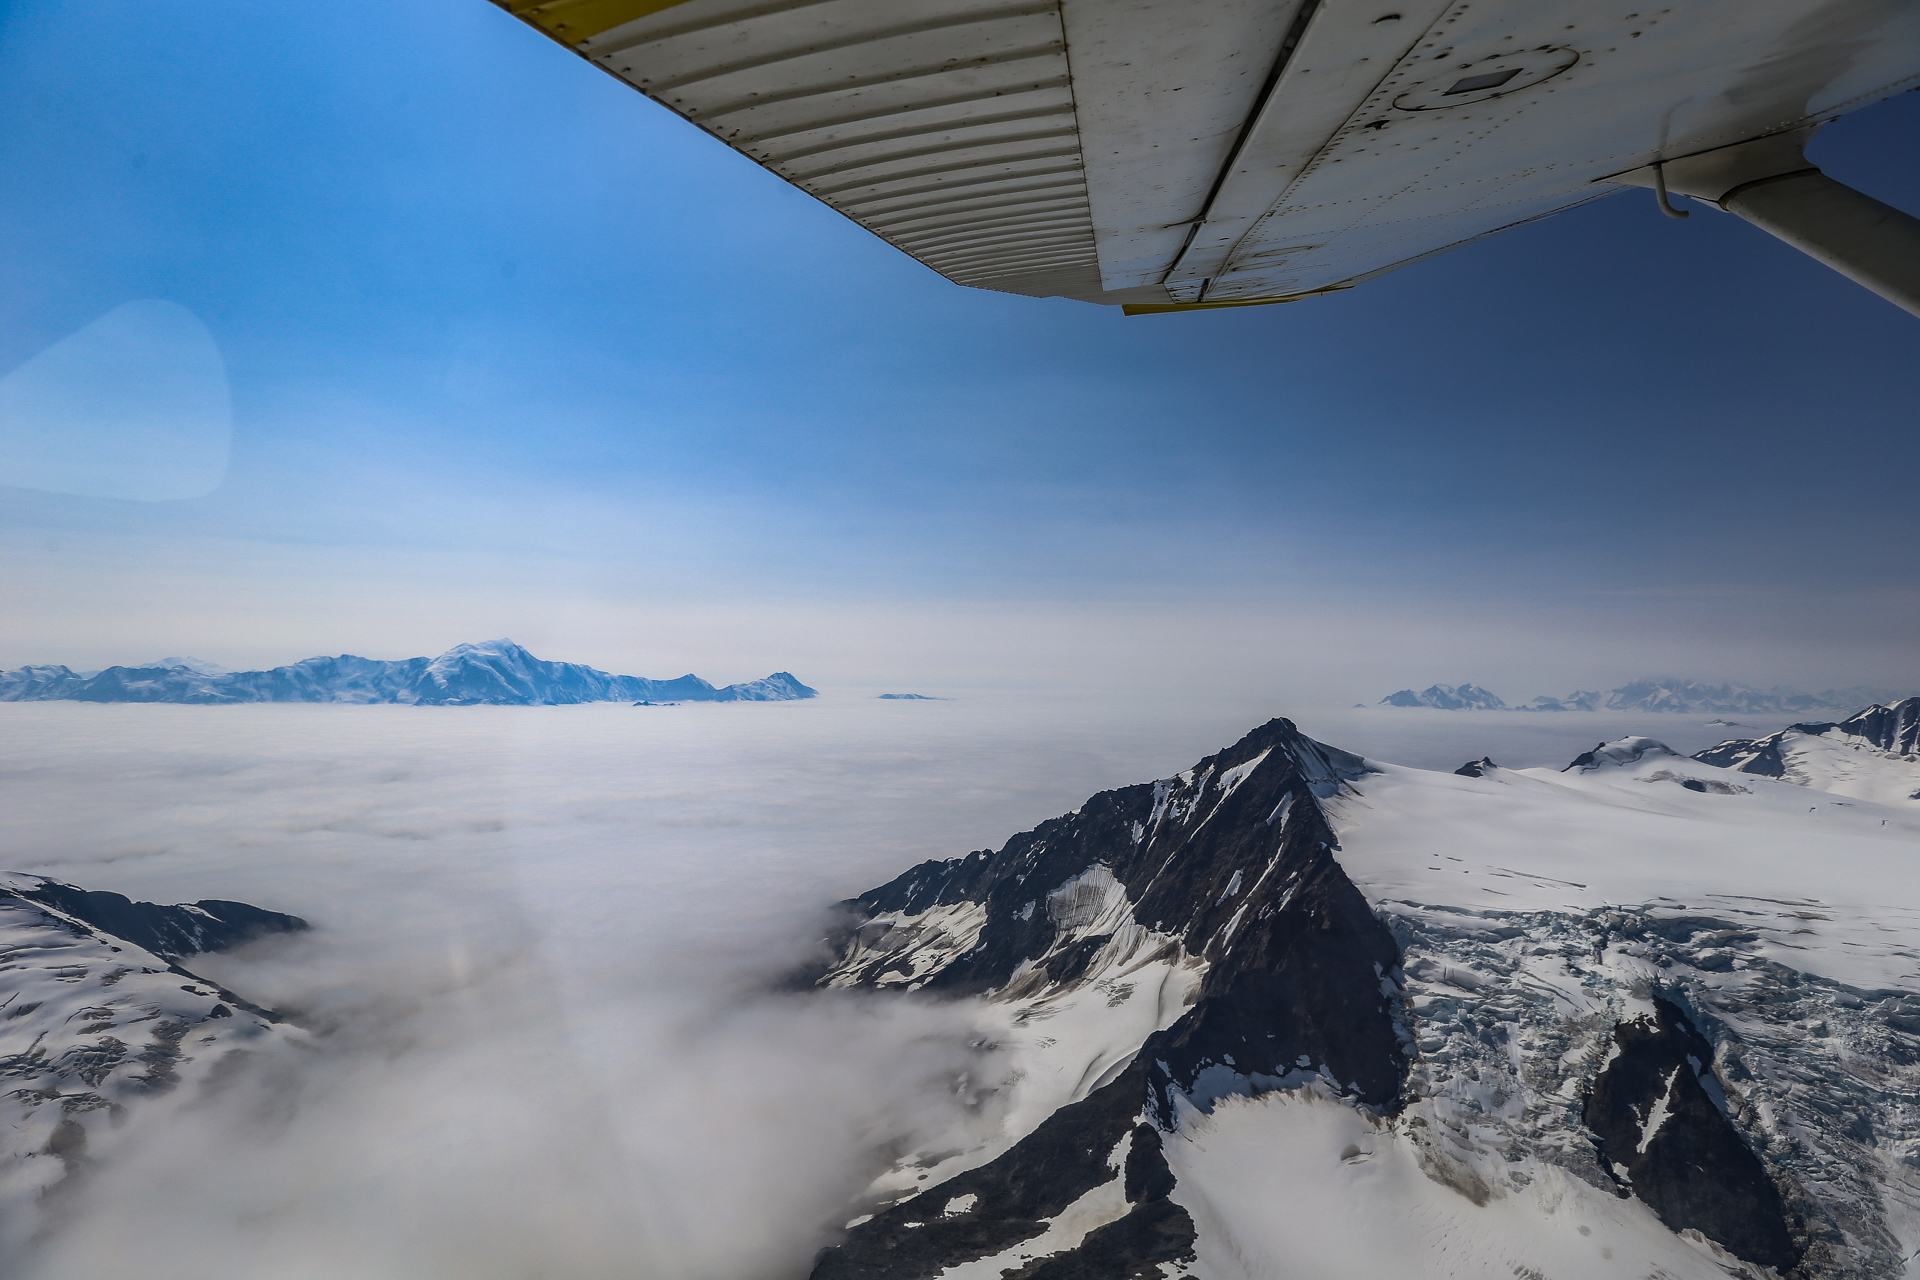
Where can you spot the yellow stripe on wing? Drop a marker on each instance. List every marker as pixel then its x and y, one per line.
pixel 577 21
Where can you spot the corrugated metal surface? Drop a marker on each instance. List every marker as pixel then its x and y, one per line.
pixel 946 127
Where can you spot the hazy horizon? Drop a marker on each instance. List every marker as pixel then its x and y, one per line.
pixel 319 345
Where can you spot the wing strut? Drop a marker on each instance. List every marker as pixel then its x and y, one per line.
pixel 1768 182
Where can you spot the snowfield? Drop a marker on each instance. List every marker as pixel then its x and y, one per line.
pixel 1832 884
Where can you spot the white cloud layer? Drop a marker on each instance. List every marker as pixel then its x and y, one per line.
pixel 543 1047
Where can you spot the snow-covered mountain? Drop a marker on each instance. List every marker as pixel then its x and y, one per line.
pixel 1578 700
pixel 1691 697
pixel 1446 697
pixel 1292 1012
pixel 96 1013
pixel 199 666
pixel 497 672
pixel 1665 694
pixel 1874 755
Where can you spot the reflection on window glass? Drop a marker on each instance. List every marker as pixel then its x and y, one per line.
pixel 135 405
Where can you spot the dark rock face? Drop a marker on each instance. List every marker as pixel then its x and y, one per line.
pixel 1584 760
pixel 1894 728
pixel 1241 874
pixel 1230 862
pixel 1070 1154
pixel 1476 768
pixel 1621 751
pixel 1760 756
pixel 172 933
pixel 1656 1113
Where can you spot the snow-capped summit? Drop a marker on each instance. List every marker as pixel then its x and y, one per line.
pixel 502 650
pixel 1667 694
pixel 781 686
pixel 500 671
pixel 1621 751
pixel 1578 700
pixel 199 666
pixel 1292 1012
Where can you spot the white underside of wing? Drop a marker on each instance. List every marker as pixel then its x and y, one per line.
pixel 1183 151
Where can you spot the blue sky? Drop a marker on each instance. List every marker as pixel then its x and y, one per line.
pixel 512 351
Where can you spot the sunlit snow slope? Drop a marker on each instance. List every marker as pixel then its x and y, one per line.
pixel 1872 755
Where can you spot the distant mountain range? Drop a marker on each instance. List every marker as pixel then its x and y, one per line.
pixel 1666 694
pixel 1447 697
pixel 494 673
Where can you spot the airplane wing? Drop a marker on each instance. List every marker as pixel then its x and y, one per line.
pixel 1168 154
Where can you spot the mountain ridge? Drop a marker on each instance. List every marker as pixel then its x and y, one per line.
pixel 1300 991
pixel 1873 754
pixel 1663 694
pixel 490 673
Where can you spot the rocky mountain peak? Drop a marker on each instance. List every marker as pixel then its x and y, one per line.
pixel 1207 908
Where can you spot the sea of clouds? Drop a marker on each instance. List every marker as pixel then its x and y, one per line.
pixel 544 1036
